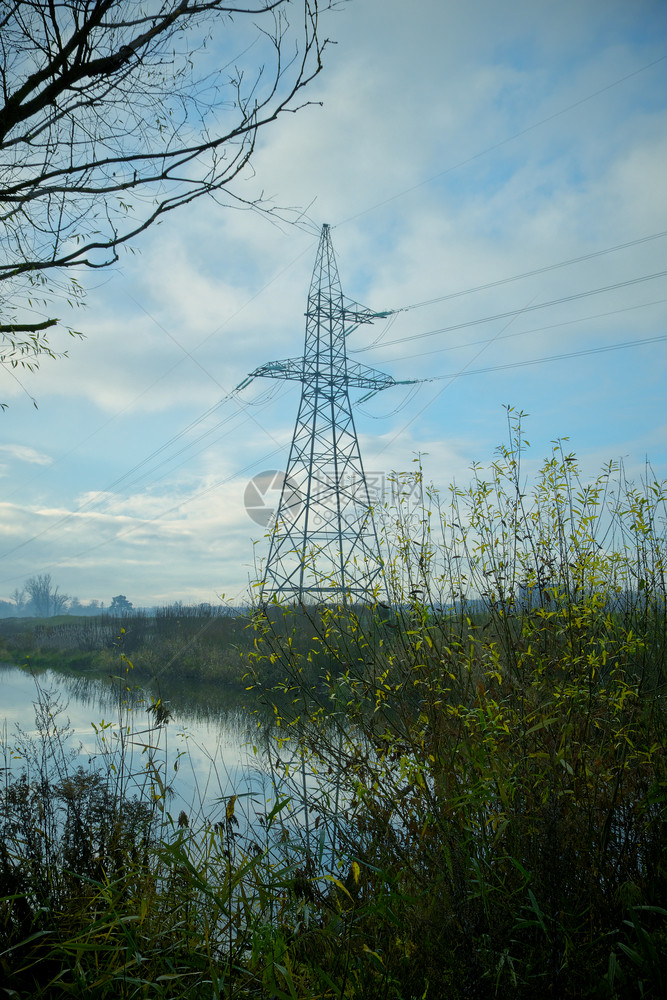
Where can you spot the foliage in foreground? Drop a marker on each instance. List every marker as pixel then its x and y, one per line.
pixel 465 805
pixel 104 894
pixel 498 781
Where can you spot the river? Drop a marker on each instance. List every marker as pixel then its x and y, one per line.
pixel 209 750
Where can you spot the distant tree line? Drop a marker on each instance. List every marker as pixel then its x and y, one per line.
pixel 40 597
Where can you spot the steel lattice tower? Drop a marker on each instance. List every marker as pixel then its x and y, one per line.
pixel 324 543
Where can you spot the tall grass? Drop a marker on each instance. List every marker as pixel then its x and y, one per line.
pixel 103 893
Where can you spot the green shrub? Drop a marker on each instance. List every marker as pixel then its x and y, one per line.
pixel 495 744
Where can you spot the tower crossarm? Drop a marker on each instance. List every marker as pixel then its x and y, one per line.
pixel 360 314
pixel 351 311
pixel 352 375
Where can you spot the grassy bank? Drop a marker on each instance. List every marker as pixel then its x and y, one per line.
pixel 195 647
pixel 170 645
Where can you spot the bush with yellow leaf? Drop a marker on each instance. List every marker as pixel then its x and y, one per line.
pixel 495 744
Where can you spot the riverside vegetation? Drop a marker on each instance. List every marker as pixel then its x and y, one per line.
pixel 470 794
pixel 196 643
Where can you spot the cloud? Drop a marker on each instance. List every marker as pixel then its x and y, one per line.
pixel 457 146
pixel 22 453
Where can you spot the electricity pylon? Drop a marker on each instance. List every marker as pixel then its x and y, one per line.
pixel 324 543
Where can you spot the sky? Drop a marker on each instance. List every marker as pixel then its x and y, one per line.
pixel 456 145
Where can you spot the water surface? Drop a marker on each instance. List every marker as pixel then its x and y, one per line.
pixel 210 749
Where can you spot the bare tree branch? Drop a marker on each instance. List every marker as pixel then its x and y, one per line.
pixel 114 113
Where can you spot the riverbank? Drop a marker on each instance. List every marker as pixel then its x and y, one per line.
pixel 166 646
pixel 178 647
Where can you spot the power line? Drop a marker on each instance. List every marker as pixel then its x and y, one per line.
pixel 183 503
pixel 96 501
pixel 451 378
pixel 553 357
pixel 169 370
pixel 440 391
pixel 535 329
pixel 531 274
pixel 135 469
pixel 466 291
pixel 514 312
pixel 89 505
pixel 150 520
pixel 188 448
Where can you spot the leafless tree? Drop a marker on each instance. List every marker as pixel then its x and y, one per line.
pixel 46 600
pixel 19 599
pixel 117 112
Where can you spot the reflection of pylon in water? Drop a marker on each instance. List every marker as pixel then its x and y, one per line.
pixel 324 543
